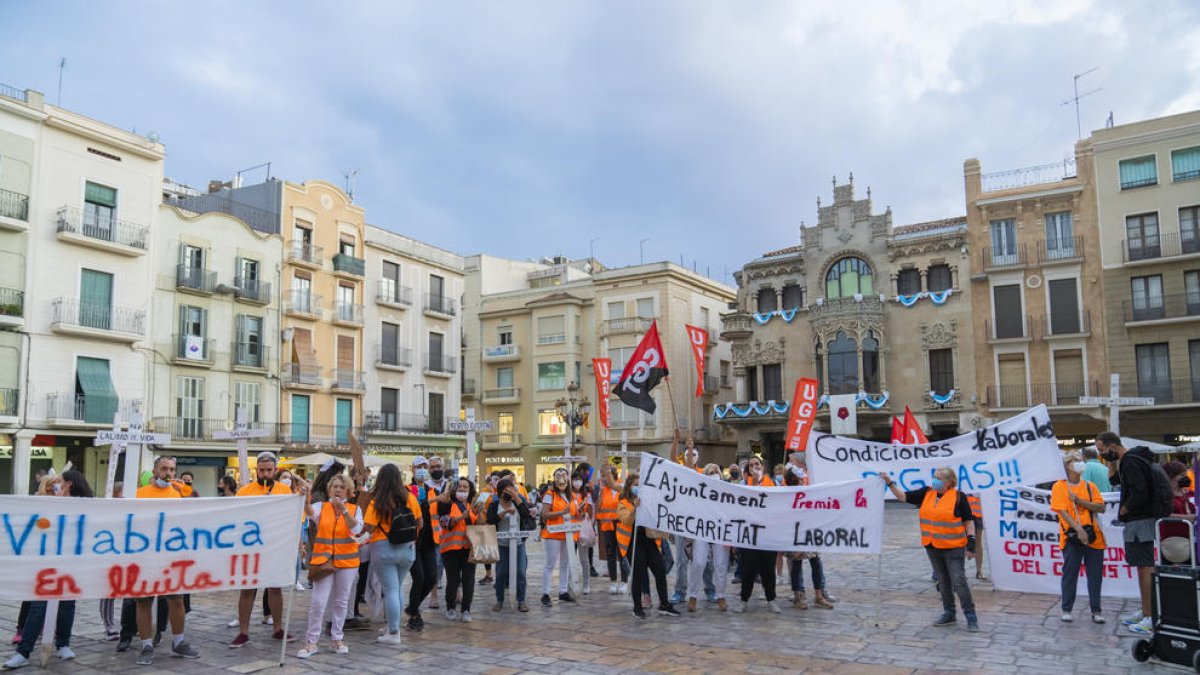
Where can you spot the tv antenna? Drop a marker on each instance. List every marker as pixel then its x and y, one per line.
pixel 350 175
pixel 62 65
pixel 1075 99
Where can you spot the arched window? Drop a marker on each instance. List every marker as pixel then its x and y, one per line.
pixel 847 277
pixel 870 359
pixel 767 302
pixel 843 365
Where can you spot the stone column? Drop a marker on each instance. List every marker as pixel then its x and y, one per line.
pixel 739 383
pixel 924 271
pixel 21 458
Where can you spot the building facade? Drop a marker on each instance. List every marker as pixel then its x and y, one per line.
pixel 877 314
pixel 1147 177
pixel 1037 290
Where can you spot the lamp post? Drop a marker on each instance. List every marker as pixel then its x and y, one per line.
pixel 572 411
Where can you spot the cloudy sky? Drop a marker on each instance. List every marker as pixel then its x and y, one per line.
pixel 526 129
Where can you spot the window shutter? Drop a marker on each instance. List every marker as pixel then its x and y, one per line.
pixel 99 194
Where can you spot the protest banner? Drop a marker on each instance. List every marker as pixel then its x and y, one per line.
pixel 1023 551
pixel 1020 450
pixel 62 548
pixel 845 517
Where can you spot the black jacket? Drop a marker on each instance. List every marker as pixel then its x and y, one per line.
pixel 1137 485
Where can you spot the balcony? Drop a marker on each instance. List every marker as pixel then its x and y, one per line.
pixel 1064 325
pixel 302 304
pixel 106 234
pixel 68 409
pixel 1004 258
pixel 347 380
pixel 187 428
pixel 12 308
pixel 1019 329
pixel 251 290
pixel 195 279
pixel 313 436
pixel 501 353
pixel 506 441
pixel 502 395
pixel 347 314
pixel 393 295
pixel 296 376
pixel 1179 308
pixel 348 265
pixel 439 305
pixel 440 366
pixel 193 350
pixel 712 384
pixel 306 255
pixel 392 357
pixel 736 326
pixel 1022 396
pixel 397 422
pixel 552 339
pixel 627 325
pixel 1178 391
pixel 1031 175
pixel 9 405
pixel 1055 251
pixel 249 356
pixel 14 210
pixel 103 322
pixel 468 388
pixel 1153 247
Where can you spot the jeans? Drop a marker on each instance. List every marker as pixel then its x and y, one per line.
pixel 334 589
pixel 556 554
pixel 679 547
pixel 459 572
pixel 614 557
pixel 797 573
pixel 424 578
pixel 108 615
pixel 647 558
pixel 32 631
pixel 759 564
pixel 502 573
pixel 952 578
pixel 709 564
pixel 391 563
pixel 1093 563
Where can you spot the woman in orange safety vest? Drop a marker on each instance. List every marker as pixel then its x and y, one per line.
pixel 338 523
pixel 451 514
pixel 557 504
pixel 606 518
pixel 644 553
pixel 948 535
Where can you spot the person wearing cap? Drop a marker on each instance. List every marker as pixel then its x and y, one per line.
pixel 264 484
pixel 424 570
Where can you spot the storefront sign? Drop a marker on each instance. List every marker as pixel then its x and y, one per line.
pixel 487 459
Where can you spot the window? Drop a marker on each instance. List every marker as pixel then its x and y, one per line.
pixel 941 371
pixel 347 309
pixel 505 423
pixel 189 407
pixel 772 374
pixel 504 378
pixel 705 318
pixel 767 301
pixel 793 296
pixel 346 246
pixel 1004 242
pixel 249 348
pixel 302 298
pixel 389 285
pixel 1141 232
pixel 1154 371
pixel 437 412
pixel 1191 286
pixel 95 398
pixel 437 285
pixel 301 407
pixel 620 357
pixel 1010 319
pixel 1064 307
pixel 505 335
pixel 1189 229
pixel 819 360
pixel 1185 164
pixel 248 396
pixel 99 211
pixel 1060 236
pixel 302 232
pixel 95 299
pixel 247 278
pixel 549 424
pixel 551 330
pixel 1068 376
pixel 752 383
pixel 870 361
pixel 1147 297
pixel 191 267
pixel 616 310
pixel 389 344
pixel 938 278
pixel 724 372
pixel 1194 364
pixel 192 328
pixel 1014 390
pixel 849 277
pixel 552 375
pixel 843 365
pixel 645 308
pixel 389 406
pixel 1138 172
pixel 908 282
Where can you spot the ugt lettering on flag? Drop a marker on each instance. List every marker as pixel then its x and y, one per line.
pixel 804 409
pixel 645 369
pixel 602 368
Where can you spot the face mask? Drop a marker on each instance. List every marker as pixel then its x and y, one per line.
pixel 287 482
pixel 161 483
pixel 437 474
pixel 57 488
pixel 734 475
pixel 757 472
pixel 1110 455
pixel 422 474
pixel 634 490
pixel 778 478
pixel 1078 467
pixel 462 496
pixel 576 483
pixel 1185 482
pixel 938 485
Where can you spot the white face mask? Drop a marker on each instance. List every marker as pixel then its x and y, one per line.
pixel 1078 467
pixel 576 483
pixel 462 496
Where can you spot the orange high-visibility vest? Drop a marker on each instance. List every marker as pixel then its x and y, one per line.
pixel 606 512
pixel 976 507
pixel 456 537
pixel 940 528
pixel 624 532
pixel 332 540
pixel 558 503
pixel 766 481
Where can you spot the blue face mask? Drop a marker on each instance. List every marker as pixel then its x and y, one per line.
pixel 938 485
pixel 421 475
pixel 634 490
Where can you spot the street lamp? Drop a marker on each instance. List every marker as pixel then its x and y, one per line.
pixel 572 411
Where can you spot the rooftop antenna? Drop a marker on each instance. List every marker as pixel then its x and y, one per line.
pixel 62 65
pixel 237 178
pixel 350 175
pixel 1077 96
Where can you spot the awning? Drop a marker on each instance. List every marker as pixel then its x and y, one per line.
pixel 99 396
pixel 1156 448
pixel 302 347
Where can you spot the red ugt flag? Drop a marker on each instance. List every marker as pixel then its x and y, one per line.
pixel 645 369
pixel 698 339
pixel 602 368
pixel 913 435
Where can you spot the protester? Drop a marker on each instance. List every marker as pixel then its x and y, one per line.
pixel 450 516
pixel 1094 470
pixel 583 503
pixel 507 512
pixel 1183 504
pixel 948 535
pixel 755 563
pixel 425 566
pixel 189 479
pixel 227 486
pixel 796 562
pixel 1077 503
pixel 264 484
pixel 439 479
pixel 606 517
pixel 337 523
pixel 556 504
pixel 680 546
pixel 1135 472
pixel 643 552
pixel 487 494
pixel 394 520
pixel 705 556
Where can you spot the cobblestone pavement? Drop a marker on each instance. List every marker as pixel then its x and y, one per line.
pixel 870 631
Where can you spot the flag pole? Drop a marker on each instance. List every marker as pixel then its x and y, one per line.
pixel 674 410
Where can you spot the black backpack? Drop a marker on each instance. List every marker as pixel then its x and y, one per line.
pixel 403 528
pixel 1162 494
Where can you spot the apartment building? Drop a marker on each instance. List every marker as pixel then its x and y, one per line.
pixel 539 325
pixel 874 312
pixel 1037 291
pixel 1147 177
pixel 412 337
pixel 78 199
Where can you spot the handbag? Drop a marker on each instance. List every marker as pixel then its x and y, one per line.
pixel 1089 529
pixel 485 547
pixel 587 535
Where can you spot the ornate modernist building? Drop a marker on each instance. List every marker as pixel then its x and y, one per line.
pixel 871 311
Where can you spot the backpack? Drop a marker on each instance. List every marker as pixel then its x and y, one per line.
pixel 1162 495
pixel 403 527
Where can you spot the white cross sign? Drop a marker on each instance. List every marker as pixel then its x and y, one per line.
pixel 514 534
pixel 242 433
pixel 106 437
pixel 1114 401
pixel 484 425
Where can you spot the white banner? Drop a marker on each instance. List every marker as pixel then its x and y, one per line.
pixel 1023 551
pixel 1020 450
pixel 66 548
pixel 845 517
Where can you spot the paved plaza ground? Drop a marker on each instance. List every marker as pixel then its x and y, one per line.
pixel 869 632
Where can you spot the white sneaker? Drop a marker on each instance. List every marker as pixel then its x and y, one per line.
pixel 17 661
pixel 389 638
pixel 451 615
pixel 740 606
pixel 622 589
pixel 613 589
pixel 1143 627
pixel 1133 617
pixel 300 586
pixel 65 653
pixel 306 652
pixel 465 617
pixel 587 590
pixel 269 620
pixel 1066 616
pixel 233 623
pixel 774 608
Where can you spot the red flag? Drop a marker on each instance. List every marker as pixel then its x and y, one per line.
pixel 698 338
pixel 804 409
pixel 897 430
pixel 602 369
pixel 646 368
pixel 913 435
